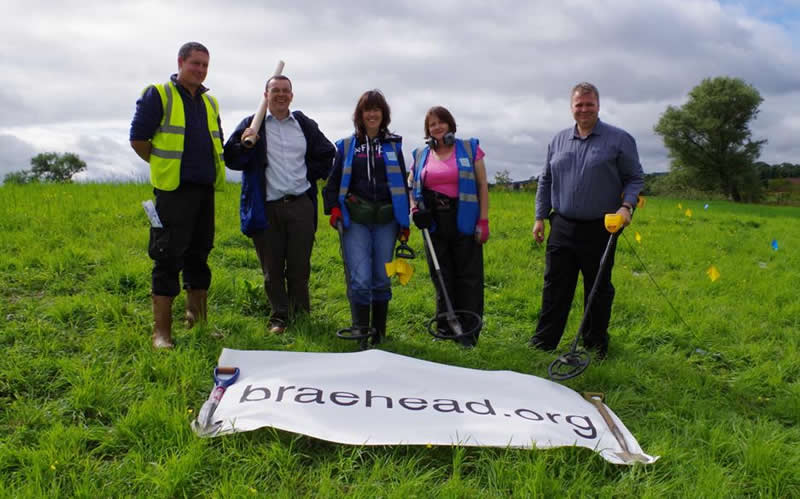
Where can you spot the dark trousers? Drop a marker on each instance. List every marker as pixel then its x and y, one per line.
pixel 284 250
pixel 575 246
pixel 461 261
pixel 183 244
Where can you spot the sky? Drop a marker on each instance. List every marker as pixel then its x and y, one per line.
pixel 71 71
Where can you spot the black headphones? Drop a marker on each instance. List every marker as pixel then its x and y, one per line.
pixel 448 139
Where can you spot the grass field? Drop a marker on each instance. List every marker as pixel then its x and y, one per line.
pixel 88 409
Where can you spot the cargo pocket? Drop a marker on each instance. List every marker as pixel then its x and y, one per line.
pixel 158 249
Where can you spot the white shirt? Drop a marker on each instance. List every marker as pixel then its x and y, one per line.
pixel 286 157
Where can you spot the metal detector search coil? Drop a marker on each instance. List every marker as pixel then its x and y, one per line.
pixel 450 315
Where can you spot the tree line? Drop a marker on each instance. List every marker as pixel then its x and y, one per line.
pixel 708 138
pixel 48 167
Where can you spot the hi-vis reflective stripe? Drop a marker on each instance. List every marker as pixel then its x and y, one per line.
pixel 394 169
pixel 468 197
pixel 212 102
pixel 463 174
pixel 168 127
pixel 398 191
pixel 161 153
pixel 178 130
pixel 347 170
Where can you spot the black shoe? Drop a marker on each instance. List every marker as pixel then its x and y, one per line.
pixel 600 347
pixel 539 344
pixel 468 342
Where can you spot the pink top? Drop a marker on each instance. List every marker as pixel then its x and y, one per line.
pixel 442 176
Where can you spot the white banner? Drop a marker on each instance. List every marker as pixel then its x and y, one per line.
pixel 379 398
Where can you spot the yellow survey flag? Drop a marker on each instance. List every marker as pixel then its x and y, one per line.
pixel 713 273
pixel 638 237
pixel 688 213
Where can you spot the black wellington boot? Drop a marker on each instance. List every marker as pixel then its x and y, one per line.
pixel 360 316
pixel 380 310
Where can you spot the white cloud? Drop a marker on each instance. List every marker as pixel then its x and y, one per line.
pixel 71 71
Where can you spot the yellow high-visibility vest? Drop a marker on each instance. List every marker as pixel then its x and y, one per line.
pixel 167 150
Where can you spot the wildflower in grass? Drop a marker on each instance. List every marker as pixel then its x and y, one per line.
pixel 680 206
pixel 638 237
pixel 713 273
pixel 688 212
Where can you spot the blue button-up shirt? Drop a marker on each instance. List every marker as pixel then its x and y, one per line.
pixel 286 157
pixel 585 178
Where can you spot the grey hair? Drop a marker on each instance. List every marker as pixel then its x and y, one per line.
pixel 186 49
pixel 585 87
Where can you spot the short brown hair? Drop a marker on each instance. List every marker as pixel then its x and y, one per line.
pixel 443 114
pixel 584 87
pixel 187 48
pixel 371 99
pixel 278 77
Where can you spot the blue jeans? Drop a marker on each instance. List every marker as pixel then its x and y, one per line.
pixel 367 250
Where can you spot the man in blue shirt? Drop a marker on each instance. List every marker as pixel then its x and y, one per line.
pixel 279 196
pixel 176 129
pixel 592 169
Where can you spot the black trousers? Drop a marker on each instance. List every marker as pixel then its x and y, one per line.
pixel 575 246
pixel 183 244
pixel 284 251
pixel 461 261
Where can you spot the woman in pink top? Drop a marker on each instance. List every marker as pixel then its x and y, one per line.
pixel 451 198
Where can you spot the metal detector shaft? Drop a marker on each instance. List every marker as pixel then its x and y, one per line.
pixel 340 230
pixel 452 319
pixel 601 271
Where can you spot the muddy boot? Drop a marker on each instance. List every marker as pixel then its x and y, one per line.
pixel 162 321
pixel 380 309
pixel 196 306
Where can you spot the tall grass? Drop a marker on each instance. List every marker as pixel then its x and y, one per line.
pixel 88 409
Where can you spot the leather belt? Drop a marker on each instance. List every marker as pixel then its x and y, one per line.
pixel 286 199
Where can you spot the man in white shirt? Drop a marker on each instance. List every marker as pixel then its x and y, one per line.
pixel 279 196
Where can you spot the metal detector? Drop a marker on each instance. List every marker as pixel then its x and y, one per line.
pixel 575 361
pixel 450 315
pixel 362 335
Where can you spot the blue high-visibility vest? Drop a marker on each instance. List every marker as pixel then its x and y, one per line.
pixel 391 152
pixel 468 207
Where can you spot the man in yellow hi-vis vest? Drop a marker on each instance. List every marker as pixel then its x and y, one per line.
pixel 177 130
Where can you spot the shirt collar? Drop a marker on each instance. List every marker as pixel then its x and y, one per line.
pixel 270 117
pixel 597 130
pixel 174 79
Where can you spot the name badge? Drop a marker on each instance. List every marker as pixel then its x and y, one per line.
pixel 391 156
pixel 464 162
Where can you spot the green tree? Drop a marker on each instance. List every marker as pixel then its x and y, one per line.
pixel 54 167
pixel 503 177
pixel 709 137
pixel 18 177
